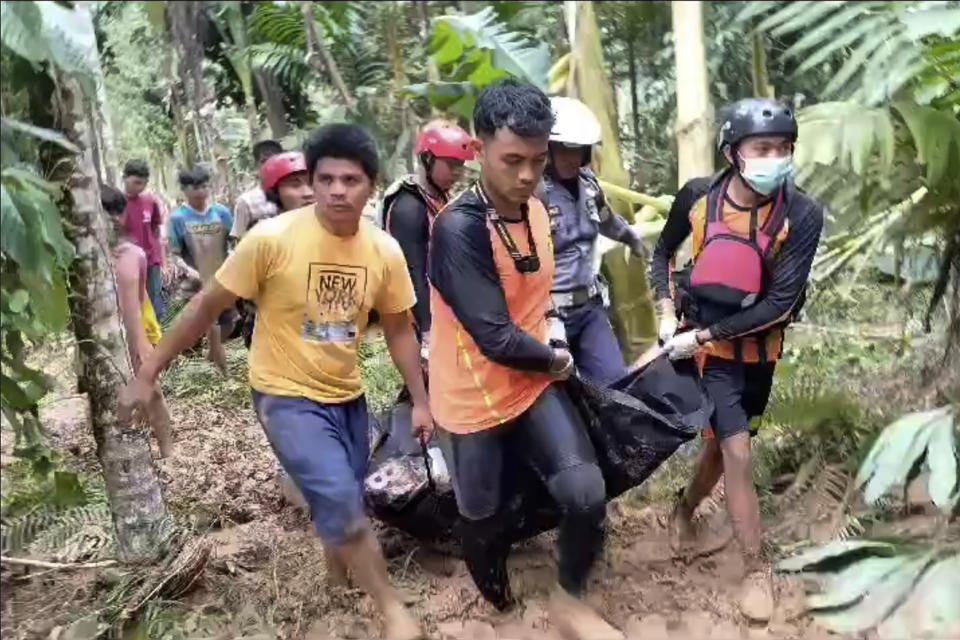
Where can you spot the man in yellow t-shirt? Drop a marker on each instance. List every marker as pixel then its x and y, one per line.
pixel 315 274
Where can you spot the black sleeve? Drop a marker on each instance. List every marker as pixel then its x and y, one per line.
pixel 790 273
pixel 410 226
pixel 463 272
pixel 675 231
pixel 616 228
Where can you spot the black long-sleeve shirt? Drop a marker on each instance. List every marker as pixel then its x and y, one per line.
pixel 463 271
pixel 791 267
pixel 409 223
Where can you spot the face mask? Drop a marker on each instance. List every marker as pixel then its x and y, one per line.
pixel 765 175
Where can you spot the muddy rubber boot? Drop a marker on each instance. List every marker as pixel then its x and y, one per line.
pixel 576 620
pixel 756 596
pixel 398 624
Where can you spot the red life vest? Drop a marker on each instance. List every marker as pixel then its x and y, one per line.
pixel 729 268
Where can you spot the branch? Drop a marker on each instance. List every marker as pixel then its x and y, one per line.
pixel 314 44
pixel 26 562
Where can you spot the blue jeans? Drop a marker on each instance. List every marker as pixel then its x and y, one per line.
pixel 324 449
pixel 155 290
pixel 593 344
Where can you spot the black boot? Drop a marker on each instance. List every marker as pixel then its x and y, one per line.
pixel 485 553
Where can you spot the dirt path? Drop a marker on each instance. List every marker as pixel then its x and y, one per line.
pixel 267 577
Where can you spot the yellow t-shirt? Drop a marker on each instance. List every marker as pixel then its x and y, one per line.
pixel 314 292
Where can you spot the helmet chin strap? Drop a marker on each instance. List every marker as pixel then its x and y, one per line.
pixel 428 160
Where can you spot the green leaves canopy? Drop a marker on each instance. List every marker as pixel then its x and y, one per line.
pixel 473 51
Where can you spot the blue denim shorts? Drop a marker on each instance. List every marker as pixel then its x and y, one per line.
pixel 324 449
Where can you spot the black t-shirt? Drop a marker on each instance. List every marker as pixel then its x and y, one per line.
pixel 410 225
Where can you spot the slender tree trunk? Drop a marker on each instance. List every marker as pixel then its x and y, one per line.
pixel 185 22
pixel 423 10
pixel 694 111
pixel 634 98
pixel 272 95
pixel 316 45
pixel 253 118
pixel 133 486
pixel 761 79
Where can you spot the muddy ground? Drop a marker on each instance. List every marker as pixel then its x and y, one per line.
pixel 266 577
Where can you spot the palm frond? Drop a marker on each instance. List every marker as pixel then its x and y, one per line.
pixel 285 62
pixel 886 43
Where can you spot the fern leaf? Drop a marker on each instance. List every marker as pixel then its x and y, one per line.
pixel 836 44
pixel 787 12
pixel 754 9
pixel 808 20
pixel 838 23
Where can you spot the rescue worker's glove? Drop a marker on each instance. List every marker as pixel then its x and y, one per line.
pixel 666 319
pixel 561 367
pixel 681 346
pixel 556 332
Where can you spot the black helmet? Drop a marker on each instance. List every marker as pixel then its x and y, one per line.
pixel 755 117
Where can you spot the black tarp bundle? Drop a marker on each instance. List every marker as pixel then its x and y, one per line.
pixel 634 425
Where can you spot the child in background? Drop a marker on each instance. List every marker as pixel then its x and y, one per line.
pixel 198 241
pixel 136 311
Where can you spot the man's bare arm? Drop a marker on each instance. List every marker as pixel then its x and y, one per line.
pixel 405 352
pixel 194 321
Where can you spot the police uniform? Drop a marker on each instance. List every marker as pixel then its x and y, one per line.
pixel 576 221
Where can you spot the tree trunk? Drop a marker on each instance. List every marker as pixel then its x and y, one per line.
pixel 634 98
pixel 761 79
pixel 316 45
pixel 184 21
pixel 133 486
pixel 694 111
pixel 272 95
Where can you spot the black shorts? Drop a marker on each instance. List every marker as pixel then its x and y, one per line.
pixel 739 390
pixel 549 436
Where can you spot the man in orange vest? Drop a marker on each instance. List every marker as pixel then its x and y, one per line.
pixel 754 239
pixel 493 373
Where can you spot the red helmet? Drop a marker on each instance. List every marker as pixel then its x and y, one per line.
pixel 278 167
pixel 448 141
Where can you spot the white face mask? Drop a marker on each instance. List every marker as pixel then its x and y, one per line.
pixel 765 175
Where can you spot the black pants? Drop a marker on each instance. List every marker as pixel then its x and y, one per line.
pixel 551 438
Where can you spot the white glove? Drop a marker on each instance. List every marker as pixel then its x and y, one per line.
pixel 667 316
pixel 425 346
pixel 556 332
pixel 683 345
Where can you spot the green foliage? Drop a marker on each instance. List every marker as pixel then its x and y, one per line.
pixel 888 585
pixel 864 584
pixel 885 154
pixel 381 379
pixel 474 51
pixel 52 512
pixel 137 88
pixel 37 39
pixel 897 455
pixel 885 43
pixel 190 378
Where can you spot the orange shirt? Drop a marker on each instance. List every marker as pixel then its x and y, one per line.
pixel 738 220
pixel 468 392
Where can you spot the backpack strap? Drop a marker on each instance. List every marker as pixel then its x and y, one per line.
pixel 776 219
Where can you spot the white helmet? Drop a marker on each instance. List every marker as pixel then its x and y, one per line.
pixel 575 124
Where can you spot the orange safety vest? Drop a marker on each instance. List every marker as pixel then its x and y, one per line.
pixel 468 392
